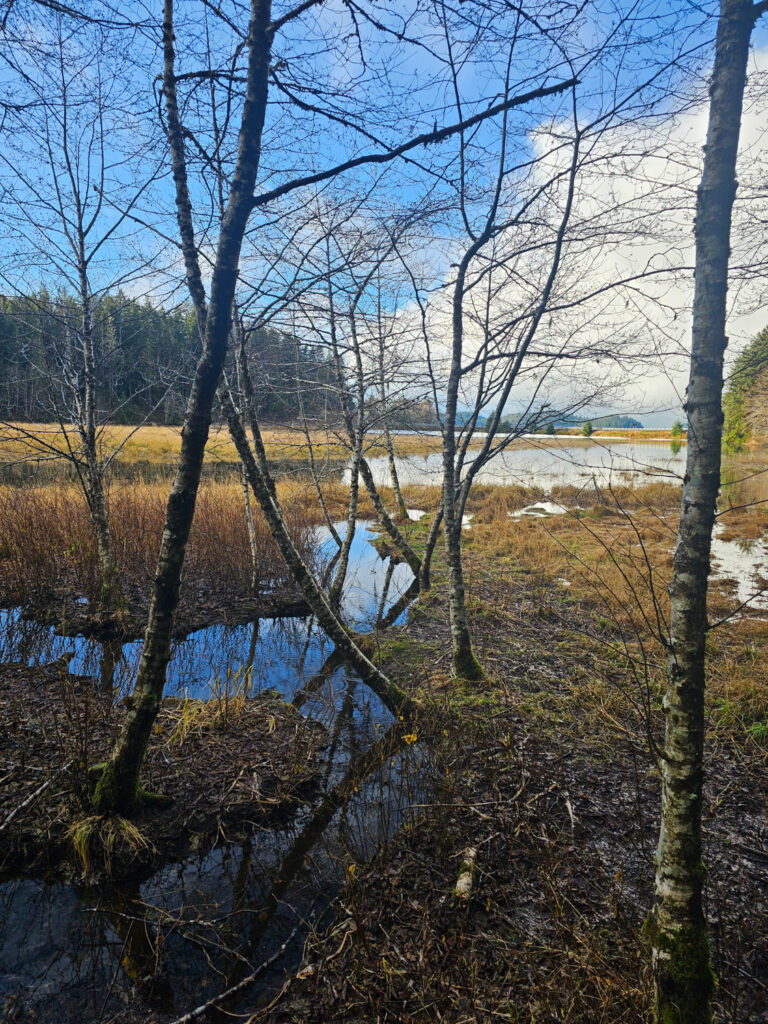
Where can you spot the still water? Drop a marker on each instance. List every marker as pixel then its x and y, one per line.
pixel 79 954
pixel 555 462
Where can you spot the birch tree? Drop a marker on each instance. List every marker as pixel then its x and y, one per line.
pixel 683 977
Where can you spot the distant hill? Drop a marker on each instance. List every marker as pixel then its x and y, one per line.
pixel 602 422
pixel 569 422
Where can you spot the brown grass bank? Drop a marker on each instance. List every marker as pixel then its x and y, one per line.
pixel 48 553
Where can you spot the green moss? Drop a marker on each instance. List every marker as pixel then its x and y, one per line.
pixel 685 980
pixel 106 798
pixel 466 666
pixel 145 798
pixel 105 792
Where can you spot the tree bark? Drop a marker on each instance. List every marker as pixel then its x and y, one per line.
pixel 465 664
pixel 110 592
pixel 261 483
pixel 680 948
pixel 117 789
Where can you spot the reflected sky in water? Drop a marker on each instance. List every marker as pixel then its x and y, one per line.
pixel 557 463
pixel 282 653
pixel 72 953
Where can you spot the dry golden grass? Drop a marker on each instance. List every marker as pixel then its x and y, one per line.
pixel 161 444
pixel 47 543
pixel 616 559
pixel 635 435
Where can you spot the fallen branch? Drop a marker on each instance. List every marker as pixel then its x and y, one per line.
pixel 463 888
pixel 33 796
pixel 200 1010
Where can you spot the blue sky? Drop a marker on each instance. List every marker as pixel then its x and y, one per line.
pixel 401 87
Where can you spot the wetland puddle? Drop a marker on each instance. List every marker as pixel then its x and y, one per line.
pixel 193 929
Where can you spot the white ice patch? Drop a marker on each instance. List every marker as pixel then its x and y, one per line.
pixel 746 563
pixel 540 510
pixel 415 514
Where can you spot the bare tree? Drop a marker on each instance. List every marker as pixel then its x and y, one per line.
pixel 69 216
pixel 683 976
pixel 117 787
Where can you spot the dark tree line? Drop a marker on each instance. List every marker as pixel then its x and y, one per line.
pixel 144 357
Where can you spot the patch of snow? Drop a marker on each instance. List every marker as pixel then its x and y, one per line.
pixel 540 510
pixel 415 514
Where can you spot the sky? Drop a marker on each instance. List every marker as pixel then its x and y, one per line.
pixel 404 86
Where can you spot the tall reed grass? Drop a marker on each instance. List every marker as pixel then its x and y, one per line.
pixel 47 545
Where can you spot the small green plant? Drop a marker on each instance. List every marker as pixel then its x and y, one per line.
pixel 587 430
pixel 677 429
pixel 758 731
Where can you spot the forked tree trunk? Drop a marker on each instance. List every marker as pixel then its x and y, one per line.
pixel 680 948
pixel 261 483
pixel 117 788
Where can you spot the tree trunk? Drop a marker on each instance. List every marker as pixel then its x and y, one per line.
pixel 387 522
pixel 261 483
pixel 383 516
pixel 680 948
pixel 334 595
pixel 465 664
pixel 425 576
pixel 117 789
pixel 402 511
pixel 252 540
pixel 110 592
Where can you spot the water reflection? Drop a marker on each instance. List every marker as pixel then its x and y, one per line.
pixel 72 953
pixel 279 654
pixel 560 462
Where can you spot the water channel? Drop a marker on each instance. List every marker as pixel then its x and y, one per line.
pixel 68 953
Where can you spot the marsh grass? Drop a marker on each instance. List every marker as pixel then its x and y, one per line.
pixel 614 557
pixel 47 546
pixel 97 840
pixel 161 444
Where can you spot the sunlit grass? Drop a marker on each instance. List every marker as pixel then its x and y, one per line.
pixel 161 444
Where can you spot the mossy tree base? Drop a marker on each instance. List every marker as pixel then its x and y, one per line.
pixel 109 798
pixel 466 666
pixel 684 979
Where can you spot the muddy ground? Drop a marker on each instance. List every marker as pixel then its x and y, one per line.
pixel 224 764
pixel 546 773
